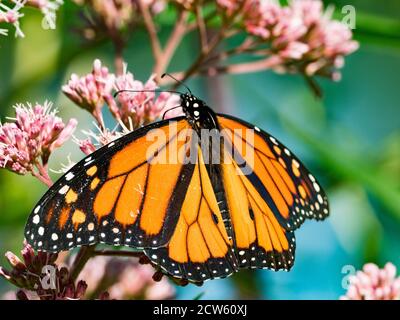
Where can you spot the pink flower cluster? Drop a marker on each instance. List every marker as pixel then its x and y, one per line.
pixel 134 109
pixel 12 15
pixel 142 107
pixel 90 91
pixel 117 15
pixel 30 275
pixel 122 278
pixel 34 134
pixel 373 283
pixel 302 37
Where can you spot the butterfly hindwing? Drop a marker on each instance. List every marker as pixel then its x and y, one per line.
pixel 200 247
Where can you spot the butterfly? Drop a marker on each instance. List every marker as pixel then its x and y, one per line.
pixel 199 206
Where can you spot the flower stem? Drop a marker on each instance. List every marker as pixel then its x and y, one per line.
pixel 201 58
pixel 202 27
pixel 119 59
pixel 174 40
pixel 119 253
pixel 151 30
pixel 84 254
pixel 42 174
pixel 246 67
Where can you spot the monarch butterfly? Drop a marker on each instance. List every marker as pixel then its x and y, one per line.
pixel 196 220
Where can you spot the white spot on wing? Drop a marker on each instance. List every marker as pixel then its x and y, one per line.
pixel 273 140
pixel 87 163
pixel 63 189
pixel 69 176
pixel 36 219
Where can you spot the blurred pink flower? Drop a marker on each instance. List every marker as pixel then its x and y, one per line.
pixel 229 6
pixel 160 290
pixel 310 11
pixel 90 91
pixel 133 109
pixel 36 132
pixel 136 282
pixel 261 16
pixel 41 278
pixel 187 4
pixel 140 108
pixel 303 37
pixel 48 9
pixel 12 16
pixel 115 14
pixel 124 278
pixel 86 146
pixel 95 140
pixel 373 283
pixel 26 273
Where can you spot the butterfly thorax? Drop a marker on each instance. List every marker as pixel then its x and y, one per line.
pixel 199 115
pixel 204 121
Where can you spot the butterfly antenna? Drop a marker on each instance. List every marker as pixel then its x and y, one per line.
pixel 170 110
pixel 178 81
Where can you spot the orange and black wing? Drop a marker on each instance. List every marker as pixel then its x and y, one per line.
pixel 201 246
pixel 127 193
pixel 269 194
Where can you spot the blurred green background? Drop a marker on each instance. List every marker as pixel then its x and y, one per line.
pixel 350 140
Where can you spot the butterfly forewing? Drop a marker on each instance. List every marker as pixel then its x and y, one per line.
pixel 114 195
pixel 290 190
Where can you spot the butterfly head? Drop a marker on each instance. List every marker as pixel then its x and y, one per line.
pixel 192 106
